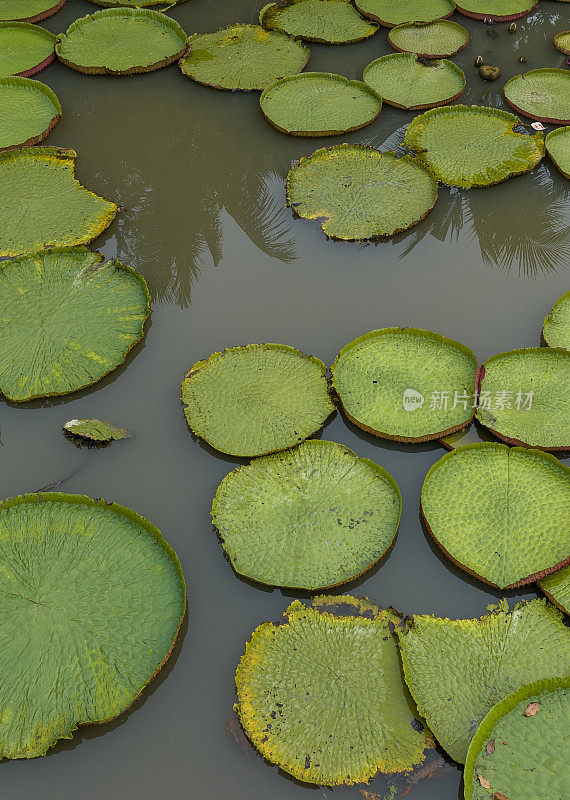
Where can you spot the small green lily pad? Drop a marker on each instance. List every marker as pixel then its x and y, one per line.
pixel 257 399
pixel 360 192
pixel 244 57
pixel 458 669
pixel 43 203
pixel 406 384
pixel 309 518
pixel 502 514
pixel 396 12
pixel 96 430
pixel 556 328
pixel 28 10
pixel 525 397
pixel 542 94
pixel 121 41
pixel 557 588
pixel 321 694
pixel 496 10
pixel 326 21
pixel 29 110
pixel 558 148
pixel 68 319
pixel 437 39
pixel 404 81
pixel 25 49
pixel 319 104
pixel 472 145
pixel 520 754
pixel 562 42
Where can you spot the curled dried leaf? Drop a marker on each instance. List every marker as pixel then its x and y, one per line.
pixel 484 782
pixel 532 709
pixel 500 796
pixel 490 747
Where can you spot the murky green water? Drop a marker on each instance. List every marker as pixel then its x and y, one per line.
pixel 200 177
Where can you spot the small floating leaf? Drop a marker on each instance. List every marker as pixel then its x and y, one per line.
pixel 29 10
pixel 328 21
pixel 319 104
pixel 437 39
pixel 458 669
pixel 29 110
pixel 257 399
pixel 448 141
pixel 92 603
pixel 502 514
pixel 242 57
pixel 406 384
pixel 558 148
pixel 529 396
pixel 360 192
pixel 25 49
pixel 96 430
pixel 541 94
pixel 557 588
pixel 309 518
pixel 562 42
pixel 121 41
pixel 67 320
pixel 395 12
pixel 44 205
pixel 495 10
pixel 556 328
pixel 404 81
pixel 333 666
pixel 535 761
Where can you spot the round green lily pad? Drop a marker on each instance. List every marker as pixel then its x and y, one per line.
pixel 562 42
pixel 458 669
pixel 28 10
pixel 558 148
pixel 542 94
pixel 136 3
pixel 327 21
pixel 25 49
pixel 244 57
pixel 121 41
pixel 502 514
pixel 319 104
pixel 557 588
pixel 525 397
pixel 360 192
pixel 406 384
pixel 92 602
pixel 472 145
pixel 396 12
pixel 521 748
pixel 495 10
pixel 309 518
pixel 257 399
pixel 321 695
pixel 437 39
pixel 404 81
pixel 68 319
pixel 29 110
pixel 43 203
pixel 556 328
pixel 95 430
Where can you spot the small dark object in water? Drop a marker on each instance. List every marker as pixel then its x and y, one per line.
pixel 479 61
pixel 489 73
pixel 492 32
pixel 513 27
pixel 522 59
pixel 484 95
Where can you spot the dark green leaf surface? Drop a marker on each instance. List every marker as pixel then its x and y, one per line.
pixel 404 81
pixel 396 12
pixel 28 10
pixel 495 10
pixel 327 21
pixel 96 430
pixel 24 49
pixel 542 94
pixel 437 39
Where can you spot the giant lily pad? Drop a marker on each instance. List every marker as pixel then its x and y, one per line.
pixel 406 384
pixel 257 399
pixel 458 669
pixel 136 3
pixel 437 39
pixel 121 41
pixel 28 112
pixel 542 94
pixel 556 328
pixel 28 10
pixel 91 605
pixel 495 10
pixel 562 42
pixel 521 748
pixel 405 81
pixel 95 430
pixel 557 588
pixel 328 21
pixel 25 49
pixel 472 145
pixel 43 205
pixel 334 666
pixel 525 397
pixel 308 518
pixel 319 104
pixel 68 319
pixel 244 57
pixel 558 148
pixel 396 12
pixel 360 192
pixel 500 513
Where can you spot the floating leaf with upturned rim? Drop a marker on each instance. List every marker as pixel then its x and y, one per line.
pixel 308 518
pixel 25 49
pixel 472 145
pixel 29 110
pixel 562 42
pixel 327 21
pixel 334 665
pixel 96 430
pixel 495 10
pixel 557 588
pixel 458 669
pixel 396 12
pixel 437 39
pixel 556 328
pixel 405 81
pixel 92 602
pixel 558 148
pixel 542 94
pixel 136 3
pixel 28 10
